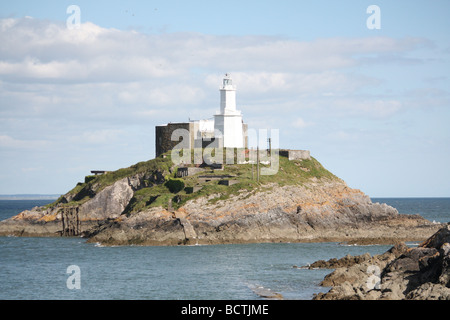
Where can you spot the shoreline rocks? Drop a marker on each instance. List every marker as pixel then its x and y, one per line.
pixel 322 211
pixel 319 211
pixel 401 273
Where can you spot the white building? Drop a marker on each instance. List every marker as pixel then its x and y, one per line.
pixel 229 121
pixel 226 130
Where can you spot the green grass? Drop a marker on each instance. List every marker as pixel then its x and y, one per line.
pixel 94 184
pixel 107 179
pixel 295 172
pixel 156 196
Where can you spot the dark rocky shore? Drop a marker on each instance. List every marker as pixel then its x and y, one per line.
pixel 314 212
pixel 138 205
pixel 401 273
pixel 146 204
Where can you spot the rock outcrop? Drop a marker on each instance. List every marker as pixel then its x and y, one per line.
pixel 402 273
pixel 74 219
pixel 303 203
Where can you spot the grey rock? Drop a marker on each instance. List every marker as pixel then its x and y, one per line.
pixel 329 211
pixel 108 203
pixel 421 273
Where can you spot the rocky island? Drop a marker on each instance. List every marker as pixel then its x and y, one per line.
pixel 401 273
pixel 156 202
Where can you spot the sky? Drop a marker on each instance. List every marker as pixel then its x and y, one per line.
pixel 371 104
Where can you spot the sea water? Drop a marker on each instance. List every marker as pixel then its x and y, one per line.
pixel 40 268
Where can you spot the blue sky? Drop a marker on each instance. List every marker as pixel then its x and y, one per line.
pixel 371 105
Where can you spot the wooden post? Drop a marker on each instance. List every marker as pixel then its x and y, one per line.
pixel 78 222
pixel 63 224
pixel 71 224
pixel 257 164
pixel 253 164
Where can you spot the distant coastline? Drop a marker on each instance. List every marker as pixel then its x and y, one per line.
pixel 29 196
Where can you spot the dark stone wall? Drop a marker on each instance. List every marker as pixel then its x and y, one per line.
pixel 163 135
pixel 295 154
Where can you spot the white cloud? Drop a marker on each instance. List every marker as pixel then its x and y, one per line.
pixel 95 73
pixel 375 108
pixel 32 169
pixel 35 49
pixel 95 87
pixel 10 142
pixel 301 123
pixel 342 136
pixel 98 136
pixel 48 69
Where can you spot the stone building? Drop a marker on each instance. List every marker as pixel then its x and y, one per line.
pixel 295 154
pixel 229 120
pixel 226 130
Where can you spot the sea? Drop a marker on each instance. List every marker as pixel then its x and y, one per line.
pixel 71 269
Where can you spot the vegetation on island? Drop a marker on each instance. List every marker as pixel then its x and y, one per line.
pixel 171 191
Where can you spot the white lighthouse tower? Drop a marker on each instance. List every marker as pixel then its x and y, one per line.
pixel 229 121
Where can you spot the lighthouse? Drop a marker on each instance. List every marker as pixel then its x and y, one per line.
pixel 226 130
pixel 228 122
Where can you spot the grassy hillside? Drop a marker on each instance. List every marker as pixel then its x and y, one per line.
pixel 173 192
